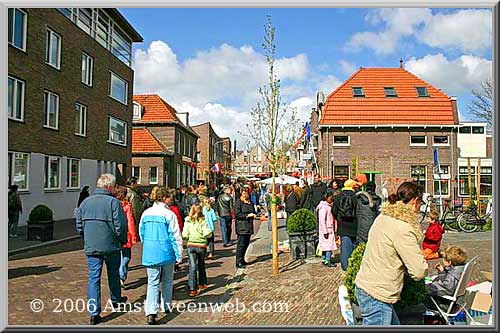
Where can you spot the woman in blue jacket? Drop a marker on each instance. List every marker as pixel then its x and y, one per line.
pixel 161 248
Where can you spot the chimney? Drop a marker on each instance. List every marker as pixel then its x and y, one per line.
pixel 184 117
pixel 456 112
pixel 401 63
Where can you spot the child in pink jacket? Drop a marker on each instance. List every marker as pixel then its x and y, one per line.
pixel 327 229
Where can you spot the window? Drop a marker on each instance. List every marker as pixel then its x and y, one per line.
pixel 73 173
pixel 442 179
pixel 118 88
pixel 136 173
pixel 53 50
pixel 16 99
pixel 121 45
pixel 87 69
pixel 85 19
pixel 117 131
pixel 52 172
pixel 477 130
pixel 66 12
pixel 358 92
pixel 341 172
pixel 179 142
pixel 137 112
pixel 178 178
pixel 418 140
pixel 17 28
pixel 198 157
pixel 80 119
pixel 419 175
pixel 422 92
pixel 440 140
pixel 51 107
pixel 486 181
pixel 390 92
pixel 153 175
pixel 18 169
pixel 341 140
pixel 465 130
pixel 463 180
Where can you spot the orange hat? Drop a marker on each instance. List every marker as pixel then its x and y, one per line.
pixel 351 183
pixel 361 179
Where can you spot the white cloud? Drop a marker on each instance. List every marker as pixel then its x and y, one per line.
pixel 348 68
pixel 457 76
pixel 468 30
pixel 329 84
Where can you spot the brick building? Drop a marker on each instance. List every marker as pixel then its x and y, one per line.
pixel 386 122
pixel 212 149
pixel 227 165
pixel 254 163
pixel 163 146
pixel 69 102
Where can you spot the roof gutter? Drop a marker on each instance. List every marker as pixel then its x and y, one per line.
pixel 388 126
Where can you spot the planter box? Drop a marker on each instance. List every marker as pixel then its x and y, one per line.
pixel 302 245
pixel 41 231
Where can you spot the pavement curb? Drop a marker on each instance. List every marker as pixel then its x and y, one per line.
pixel 45 244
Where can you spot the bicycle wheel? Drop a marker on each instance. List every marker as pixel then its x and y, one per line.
pixel 467 222
pixel 449 221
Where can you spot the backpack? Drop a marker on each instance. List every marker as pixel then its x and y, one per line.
pixel 12 201
pixel 346 207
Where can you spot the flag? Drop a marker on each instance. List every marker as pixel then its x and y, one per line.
pixel 437 168
pixel 308 131
pixel 300 139
pixel 216 168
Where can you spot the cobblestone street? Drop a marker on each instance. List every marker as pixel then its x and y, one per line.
pixel 305 293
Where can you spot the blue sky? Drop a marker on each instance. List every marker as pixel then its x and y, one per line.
pixel 209 61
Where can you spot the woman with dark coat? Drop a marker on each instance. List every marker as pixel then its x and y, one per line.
pixel 292 203
pixel 245 214
pixel 84 194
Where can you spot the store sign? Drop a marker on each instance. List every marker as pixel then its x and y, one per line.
pixel 302 164
pixel 306 157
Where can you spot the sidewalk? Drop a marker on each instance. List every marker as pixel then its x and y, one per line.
pixel 63 230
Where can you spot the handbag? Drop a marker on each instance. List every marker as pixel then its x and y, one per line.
pixel 319 252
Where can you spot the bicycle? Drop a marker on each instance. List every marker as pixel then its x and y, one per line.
pixel 470 220
pixel 449 216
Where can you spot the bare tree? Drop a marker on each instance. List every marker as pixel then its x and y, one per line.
pixel 481 105
pixel 273 126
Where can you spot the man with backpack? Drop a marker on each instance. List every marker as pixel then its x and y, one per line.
pixel 344 211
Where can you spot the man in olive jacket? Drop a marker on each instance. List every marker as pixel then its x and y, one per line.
pixel 102 224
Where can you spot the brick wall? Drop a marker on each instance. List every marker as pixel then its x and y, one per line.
pixel 375 148
pixel 30 66
pixel 145 163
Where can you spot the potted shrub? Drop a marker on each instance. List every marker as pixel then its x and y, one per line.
pixel 302 232
pixel 410 306
pixel 41 224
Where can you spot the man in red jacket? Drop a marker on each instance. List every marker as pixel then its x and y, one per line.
pixel 433 236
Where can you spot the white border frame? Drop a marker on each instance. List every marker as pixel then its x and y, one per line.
pixel 84 135
pixel 25 30
pixel 46 114
pixel 441 144
pixel 111 74
pixel 91 71
pixel 149 175
pixel 348 144
pixel 68 171
pixel 109 131
pixel 27 189
pixel 45 175
pixel 48 44
pixel 418 144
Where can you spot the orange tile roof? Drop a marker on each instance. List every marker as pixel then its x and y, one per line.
pixel 341 108
pixel 155 109
pixel 144 142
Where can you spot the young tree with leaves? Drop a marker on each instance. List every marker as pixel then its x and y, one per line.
pixel 273 126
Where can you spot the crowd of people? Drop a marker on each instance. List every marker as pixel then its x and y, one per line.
pixel 167 222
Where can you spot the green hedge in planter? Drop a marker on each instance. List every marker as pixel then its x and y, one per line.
pixel 302 220
pixel 40 214
pixel 413 293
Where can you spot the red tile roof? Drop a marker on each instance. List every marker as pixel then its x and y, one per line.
pixel 155 109
pixel 341 108
pixel 144 142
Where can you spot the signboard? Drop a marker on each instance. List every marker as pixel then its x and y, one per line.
pixel 186 159
pixel 302 164
pixel 306 157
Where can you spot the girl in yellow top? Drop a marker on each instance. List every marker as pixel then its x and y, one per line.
pixel 197 233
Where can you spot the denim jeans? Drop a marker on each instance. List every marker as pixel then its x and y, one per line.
pixel 375 312
pixel 13 222
pixel 197 272
pixel 327 256
pixel 126 255
pixel 95 264
pixel 155 273
pixel 211 244
pixel 346 248
pixel 226 230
